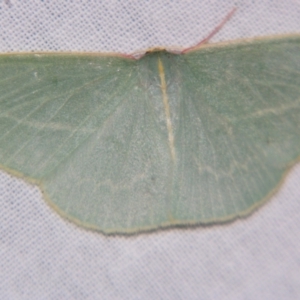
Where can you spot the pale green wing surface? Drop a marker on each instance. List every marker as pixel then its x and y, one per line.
pixel 238 127
pixel 114 148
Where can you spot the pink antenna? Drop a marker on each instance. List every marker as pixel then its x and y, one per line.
pixel 137 56
pixel 215 31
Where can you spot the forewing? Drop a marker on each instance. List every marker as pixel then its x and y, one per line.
pixel 85 130
pixel 239 127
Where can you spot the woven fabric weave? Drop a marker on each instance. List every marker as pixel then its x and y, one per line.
pixel 43 256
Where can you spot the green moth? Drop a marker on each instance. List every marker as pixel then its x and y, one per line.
pixel 122 145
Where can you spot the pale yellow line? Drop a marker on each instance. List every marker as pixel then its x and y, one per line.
pixel 167 108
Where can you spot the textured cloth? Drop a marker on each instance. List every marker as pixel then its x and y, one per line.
pixel 43 256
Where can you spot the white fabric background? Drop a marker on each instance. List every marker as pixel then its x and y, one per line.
pixel 42 256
